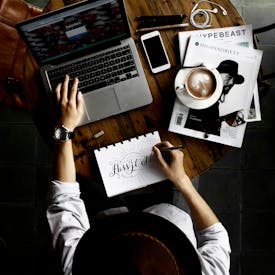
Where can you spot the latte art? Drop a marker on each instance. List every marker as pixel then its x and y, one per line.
pixel 198 87
pixel 200 83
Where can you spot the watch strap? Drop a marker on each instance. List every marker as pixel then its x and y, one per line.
pixel 71 135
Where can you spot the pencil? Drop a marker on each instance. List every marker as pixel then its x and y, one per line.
pixel 183 25
pixel 166 149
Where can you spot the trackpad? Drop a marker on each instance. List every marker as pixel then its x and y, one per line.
pixel 100 104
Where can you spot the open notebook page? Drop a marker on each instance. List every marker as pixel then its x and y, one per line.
pixel 129 165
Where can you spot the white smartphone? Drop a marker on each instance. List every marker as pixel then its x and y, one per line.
pixel 155 52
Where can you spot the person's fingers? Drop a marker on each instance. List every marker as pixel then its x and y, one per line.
pixel 164 144
pixel 159 156
pixel 79 101
pixel 73 92
pixel 64 89
pixel 57 92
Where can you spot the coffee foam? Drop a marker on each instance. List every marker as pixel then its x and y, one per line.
pixel 200 83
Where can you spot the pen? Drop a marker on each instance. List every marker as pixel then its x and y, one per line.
pixel 176 18
pixel 166 149
pixel 183 25
pixel 147 21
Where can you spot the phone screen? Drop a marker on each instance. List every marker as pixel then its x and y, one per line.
pixel 155 51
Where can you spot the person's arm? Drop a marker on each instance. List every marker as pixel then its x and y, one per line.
pixel 213 242
pixel 173 169
pixel 70 105
pixel 66 213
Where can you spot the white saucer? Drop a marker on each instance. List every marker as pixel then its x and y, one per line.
pixel 191 102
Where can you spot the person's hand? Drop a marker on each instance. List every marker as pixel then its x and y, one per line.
pixel 171 164
pixel 70 104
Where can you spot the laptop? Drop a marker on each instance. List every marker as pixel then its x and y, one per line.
pixel 90 40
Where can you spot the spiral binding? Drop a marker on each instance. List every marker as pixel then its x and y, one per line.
pixel 122 142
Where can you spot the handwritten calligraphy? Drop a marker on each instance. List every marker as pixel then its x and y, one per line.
pixel 130 165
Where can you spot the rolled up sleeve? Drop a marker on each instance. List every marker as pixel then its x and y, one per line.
pixel 214 250
pixel 68 220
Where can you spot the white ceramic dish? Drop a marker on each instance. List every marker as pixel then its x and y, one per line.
pixel 191 102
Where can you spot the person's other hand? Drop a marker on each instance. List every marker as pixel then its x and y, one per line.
pixel 70 103
pixel 171 164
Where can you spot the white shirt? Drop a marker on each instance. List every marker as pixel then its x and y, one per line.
pixel 68 222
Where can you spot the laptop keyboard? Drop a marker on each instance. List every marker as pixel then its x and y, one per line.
pixel 98 71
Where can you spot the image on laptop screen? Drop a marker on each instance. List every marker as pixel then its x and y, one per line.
pixel 72 31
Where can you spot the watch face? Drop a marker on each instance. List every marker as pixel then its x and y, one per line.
pixel 61 133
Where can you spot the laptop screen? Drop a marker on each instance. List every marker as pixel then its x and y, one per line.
pixel 84 26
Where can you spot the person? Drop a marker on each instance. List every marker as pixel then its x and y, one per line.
pixel 209 120
pixel 165 235
pixel 228 70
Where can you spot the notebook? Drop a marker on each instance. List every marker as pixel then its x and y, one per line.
pixel 90 40
pixel 129 165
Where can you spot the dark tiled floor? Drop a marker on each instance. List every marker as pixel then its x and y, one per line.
pixel 240 188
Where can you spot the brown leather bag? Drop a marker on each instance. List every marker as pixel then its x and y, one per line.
pixel 13 52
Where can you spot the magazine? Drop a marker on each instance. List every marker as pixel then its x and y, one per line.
pixel 223 122
pixel 182 120
pixel 237 35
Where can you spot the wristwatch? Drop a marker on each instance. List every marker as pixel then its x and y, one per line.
pixel 62 133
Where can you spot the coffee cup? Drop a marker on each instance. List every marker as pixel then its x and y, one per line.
pixel 198 87
pixel 200 83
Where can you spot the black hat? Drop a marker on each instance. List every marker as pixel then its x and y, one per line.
pixel 231 67
pixel 135 244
